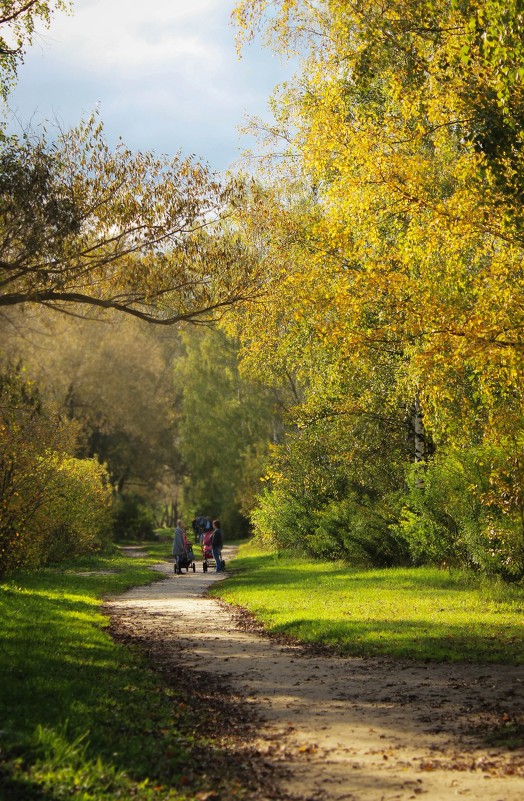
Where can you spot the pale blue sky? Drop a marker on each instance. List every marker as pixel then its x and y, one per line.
pixel 165 74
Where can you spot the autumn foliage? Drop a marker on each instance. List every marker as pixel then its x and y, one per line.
pixel 372 265
pixel 52 505
pixel 400 285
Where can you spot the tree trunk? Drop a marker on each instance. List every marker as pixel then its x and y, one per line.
pixel 420 450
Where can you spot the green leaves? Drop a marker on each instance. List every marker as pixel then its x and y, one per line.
pixel 18 20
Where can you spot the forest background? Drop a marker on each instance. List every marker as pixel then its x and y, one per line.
pixel 326 350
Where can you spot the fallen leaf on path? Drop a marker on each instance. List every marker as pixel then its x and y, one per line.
pixel 308 749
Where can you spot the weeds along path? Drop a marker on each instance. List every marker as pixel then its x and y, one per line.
pixel 330 728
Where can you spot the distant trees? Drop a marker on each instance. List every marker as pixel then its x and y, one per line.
pixel 113 376
pixel 225 425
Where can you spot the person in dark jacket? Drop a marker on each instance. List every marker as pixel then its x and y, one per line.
pixel 217 541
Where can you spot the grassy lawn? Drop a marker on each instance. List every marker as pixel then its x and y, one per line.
pixel 419 613
pixel 83 717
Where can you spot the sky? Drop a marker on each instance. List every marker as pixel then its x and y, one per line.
pixel 164 74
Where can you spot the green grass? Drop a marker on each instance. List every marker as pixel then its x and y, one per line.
pixel 83 717
pixel 418 613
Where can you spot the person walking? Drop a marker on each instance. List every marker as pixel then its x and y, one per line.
pixel 196 530
pixel 217 541
pixel 207 536
pixel 179 545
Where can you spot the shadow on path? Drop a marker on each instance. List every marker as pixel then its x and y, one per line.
pixel 343 728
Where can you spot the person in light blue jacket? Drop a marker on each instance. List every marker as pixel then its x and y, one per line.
pixel 180 544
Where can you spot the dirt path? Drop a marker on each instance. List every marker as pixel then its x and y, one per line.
pixel 340 728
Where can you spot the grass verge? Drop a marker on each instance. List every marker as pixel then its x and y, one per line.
pixel 83 717
pixel 416 613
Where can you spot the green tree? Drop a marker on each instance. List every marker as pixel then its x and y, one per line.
pixel 225 425
pixel 18 19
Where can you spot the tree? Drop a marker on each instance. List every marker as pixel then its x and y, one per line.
pixel 336 467
pixel 406 123
pixel 81 226
pixel 225 425
pixel 17 25
pixel 394 121
pixel 113 376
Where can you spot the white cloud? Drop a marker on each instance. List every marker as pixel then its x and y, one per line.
pixel 165 73
pixel 117 34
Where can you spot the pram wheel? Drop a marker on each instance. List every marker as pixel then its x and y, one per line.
pixel 194 568
pixel 204 567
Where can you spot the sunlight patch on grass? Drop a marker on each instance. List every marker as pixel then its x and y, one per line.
pixel 83 717
pixel 55 595
pixel 421 613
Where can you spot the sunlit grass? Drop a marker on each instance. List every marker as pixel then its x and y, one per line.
pixel 82 717
pixel 421 613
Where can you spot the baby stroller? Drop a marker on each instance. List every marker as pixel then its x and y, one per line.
pixel 207 552
pixel 185 561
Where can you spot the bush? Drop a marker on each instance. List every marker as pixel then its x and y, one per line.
pixel 364 529
pixel 338 528
pixel 431 522
pixel 459 511
pixel 78 515
pixel 280 520
pixel 51 504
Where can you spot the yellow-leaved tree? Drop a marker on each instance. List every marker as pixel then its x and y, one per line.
pixel 405 121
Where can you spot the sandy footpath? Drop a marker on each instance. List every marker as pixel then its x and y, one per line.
pixel 341 728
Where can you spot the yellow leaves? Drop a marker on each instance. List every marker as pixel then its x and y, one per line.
pixel 408 245
pixel 273 476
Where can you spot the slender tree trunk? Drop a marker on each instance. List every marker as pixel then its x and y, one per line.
pixel 174 513
pixel 419 431
pixel 419 441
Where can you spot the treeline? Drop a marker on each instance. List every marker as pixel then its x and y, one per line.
pixel 389 216
pixel 88 231
pixel 86 439
pixel 362 398
pixel 111 428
